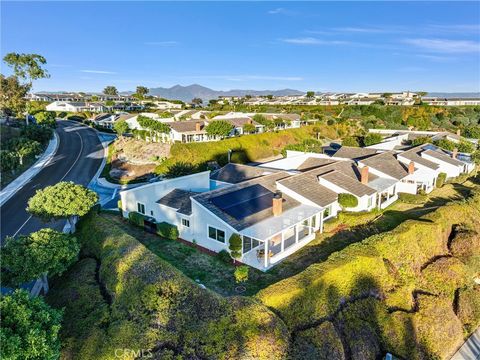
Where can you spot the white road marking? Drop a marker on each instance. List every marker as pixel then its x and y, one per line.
pixel 68 171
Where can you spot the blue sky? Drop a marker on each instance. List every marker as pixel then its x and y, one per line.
pixel 323 46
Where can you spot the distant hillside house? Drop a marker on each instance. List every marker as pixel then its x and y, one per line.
pixel 70 106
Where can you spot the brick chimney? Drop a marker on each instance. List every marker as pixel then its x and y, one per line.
pixel 277 206
pixel 458 132
pixel 198 126
pixel 411 168
pixel 249 121
pixel 454 153
pixel 364 175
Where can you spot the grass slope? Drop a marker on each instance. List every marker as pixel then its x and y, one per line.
pixel 135 300
pixel 407 280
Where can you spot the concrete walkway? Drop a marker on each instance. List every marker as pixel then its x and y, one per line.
pixel 470 350
pixel 28 174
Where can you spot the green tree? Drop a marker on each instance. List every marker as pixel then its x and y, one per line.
pixel 235 246
pixel 310 94
pixel 46 118
pixel 110 90
pixel 465 147
pixel 212 102
pixel 27 66
pixel 94 98
pixel 12 95
pixel 249 128
pixel 372 139
pixel 142 91
pixel 29 328
pixel 65 200
pixel 421 140
pixel 29 257
pixel 350 141
pixel 347 200
pixel 109 103
pixel 180 169
pixel 197 101
pixel 120 127
pixel 442 177
pixel 219 128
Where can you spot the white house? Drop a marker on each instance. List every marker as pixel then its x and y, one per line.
pixel 70 106
pixel 272 225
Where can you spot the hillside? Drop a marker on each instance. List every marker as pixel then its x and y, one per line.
pixel 187 93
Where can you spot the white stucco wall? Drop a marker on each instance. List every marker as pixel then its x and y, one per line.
pixel 202 218
pixel 151 193
pixel 451 170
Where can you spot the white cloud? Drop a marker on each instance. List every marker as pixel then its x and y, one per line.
pixel 314 41
pixel 98 72
pixel 455 28
pixel 444 45
pixel 280 11
pixel 436 58
pixel 162 43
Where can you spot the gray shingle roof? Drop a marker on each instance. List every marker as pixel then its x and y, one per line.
pixel 187 126
pixel 414 155
pixel 443 157
pixel 386 163
pixel 268 182
pixel 235 173
pixel 348 183
pixel 350 152
pixel 307 185
pixel 180 200
pixel 313 162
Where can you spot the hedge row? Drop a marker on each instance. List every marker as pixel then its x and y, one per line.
pixel 245 148
pixel 154 307
pixel 405 292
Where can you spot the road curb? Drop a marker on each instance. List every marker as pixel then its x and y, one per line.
pixel 33 170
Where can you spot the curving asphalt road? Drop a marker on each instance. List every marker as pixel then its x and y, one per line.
pixel 77 159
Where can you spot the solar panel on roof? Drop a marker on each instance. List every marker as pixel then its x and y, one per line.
pixel 244 202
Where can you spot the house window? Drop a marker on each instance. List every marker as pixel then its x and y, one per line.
pixel 249 244
pixel 216 234
pixel 326 213
pixel 370 201
pixel 141 208
pixel 151 212
pixel 186 222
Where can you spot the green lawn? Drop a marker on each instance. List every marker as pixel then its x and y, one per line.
pixel 338 234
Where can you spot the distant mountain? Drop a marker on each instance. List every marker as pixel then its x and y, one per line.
pixel 475 95
pixel 187 93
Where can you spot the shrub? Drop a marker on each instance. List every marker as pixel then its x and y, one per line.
pixel 465 244
pixel 412 198
pixel 29 327
pixel 249 128
pixel 241 273
pixel 167 230
pixel 152 304
pixel 421 140
pixel 466 147
pixel 180 169
pixel 347 200
pixel 350 141
pixel 224 256
pixel 46 118
pixel 372 139
pixel 441 180
pixel 136 218
pixel 469 308
pixel 321 342
pixel 235 246
pixel 239 157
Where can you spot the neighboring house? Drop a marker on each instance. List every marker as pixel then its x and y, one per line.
pixel 70 106
pixel 166 105
pixel 451 101
pixel 436 161
pixel 189 131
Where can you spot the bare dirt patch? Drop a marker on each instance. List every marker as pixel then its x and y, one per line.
pixel 136 159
